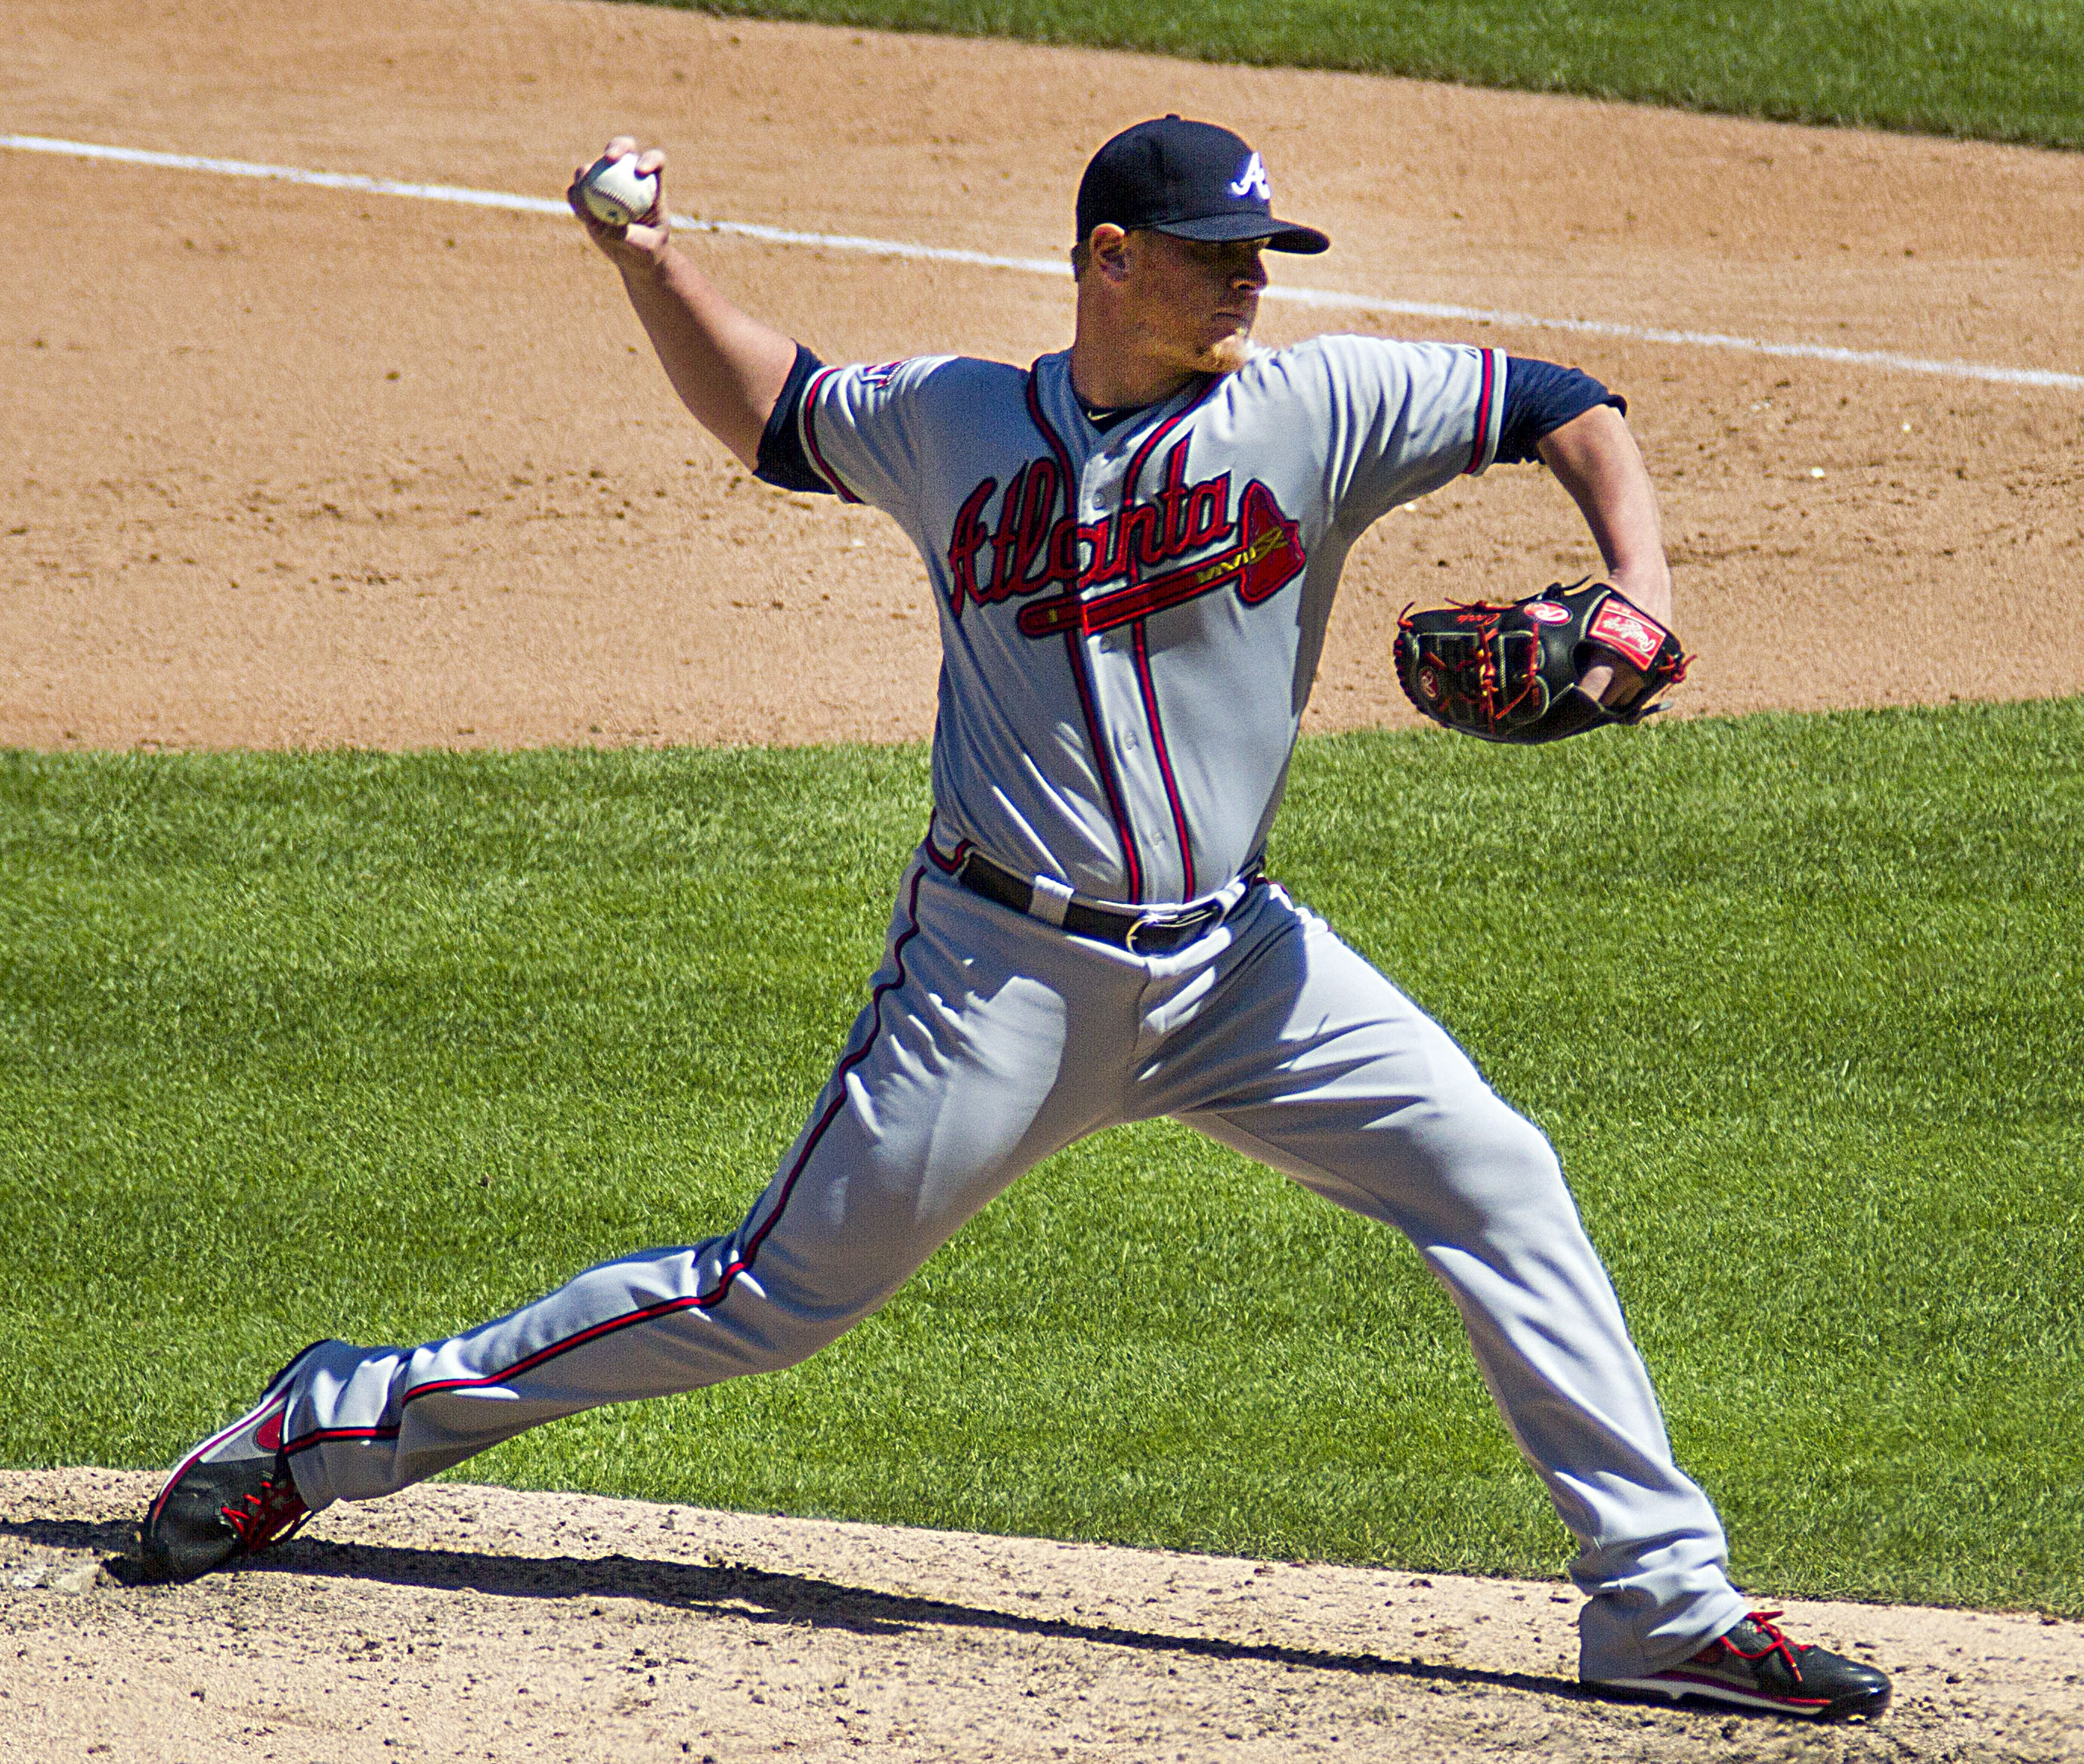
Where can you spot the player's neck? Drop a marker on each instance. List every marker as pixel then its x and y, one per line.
pixel 1109 377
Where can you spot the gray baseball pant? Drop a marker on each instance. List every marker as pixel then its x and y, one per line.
pixel 992 1040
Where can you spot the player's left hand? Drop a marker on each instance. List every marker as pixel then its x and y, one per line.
pixel 1615 684
pixel 1554 664
pixel 1647 588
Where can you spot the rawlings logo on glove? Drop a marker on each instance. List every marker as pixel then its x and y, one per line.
pixel 1511 671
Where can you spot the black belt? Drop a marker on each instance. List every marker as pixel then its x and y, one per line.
pixel 1141 933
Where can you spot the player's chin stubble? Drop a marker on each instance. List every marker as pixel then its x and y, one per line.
pixel 1227 355
pixel 1229 351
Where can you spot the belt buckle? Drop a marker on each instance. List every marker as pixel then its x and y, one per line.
pixel 1190 925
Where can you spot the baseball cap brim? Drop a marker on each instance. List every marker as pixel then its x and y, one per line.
pixel 1279 235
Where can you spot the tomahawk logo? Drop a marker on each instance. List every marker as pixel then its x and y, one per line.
pixel 1251 181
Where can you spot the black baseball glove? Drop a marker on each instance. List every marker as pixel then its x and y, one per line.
pixel 1510 672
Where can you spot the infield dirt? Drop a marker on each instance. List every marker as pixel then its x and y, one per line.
pixel 459 1621
pixel 290 467
pixel 287 466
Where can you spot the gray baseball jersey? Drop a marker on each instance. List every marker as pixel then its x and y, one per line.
pixel 1131 620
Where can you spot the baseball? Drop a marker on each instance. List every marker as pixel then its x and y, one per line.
pixel 615 193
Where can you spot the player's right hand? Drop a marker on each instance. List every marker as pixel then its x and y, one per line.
pixel 642 243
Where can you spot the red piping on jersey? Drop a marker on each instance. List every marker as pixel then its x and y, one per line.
pixel 739 1264
pixel 1144 685
pixel 947 866
pixel 1073 648
pixel 1164 759
pixel 1481 445
pixel 1086 704
pixel 1151 441
pixel 810 434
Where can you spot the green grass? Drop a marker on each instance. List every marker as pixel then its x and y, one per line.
pixel 378 1046
pixel 1995 70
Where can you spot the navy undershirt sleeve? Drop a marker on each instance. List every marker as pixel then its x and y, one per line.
pixel 782 460
pixel 1540 398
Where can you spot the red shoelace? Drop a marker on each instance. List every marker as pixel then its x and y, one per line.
pixel 275 1513
pixel 1776 1643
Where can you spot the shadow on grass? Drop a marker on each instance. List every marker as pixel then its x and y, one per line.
pixel 753 1596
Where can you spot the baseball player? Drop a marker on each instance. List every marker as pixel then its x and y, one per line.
pixel 1133 545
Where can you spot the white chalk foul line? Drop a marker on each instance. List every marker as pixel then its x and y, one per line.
pixel 1334 298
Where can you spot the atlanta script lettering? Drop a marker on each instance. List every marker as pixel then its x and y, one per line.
pixel 1028 552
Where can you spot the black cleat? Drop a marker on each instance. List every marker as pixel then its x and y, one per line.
pixel 230 1496
pixel 1756 1666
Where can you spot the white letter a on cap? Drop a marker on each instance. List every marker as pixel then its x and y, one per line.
pixel 1251 181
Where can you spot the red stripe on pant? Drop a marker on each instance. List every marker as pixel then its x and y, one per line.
pixel 693 1301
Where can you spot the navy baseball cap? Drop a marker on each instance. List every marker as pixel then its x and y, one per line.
pixel 1191 179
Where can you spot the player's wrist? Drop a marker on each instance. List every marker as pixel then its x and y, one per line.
pixel 646 264
pixel 1647 586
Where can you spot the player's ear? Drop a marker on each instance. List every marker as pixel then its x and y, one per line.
pixel 1107 251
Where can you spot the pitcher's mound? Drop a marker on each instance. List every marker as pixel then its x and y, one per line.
pixel 473 1622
